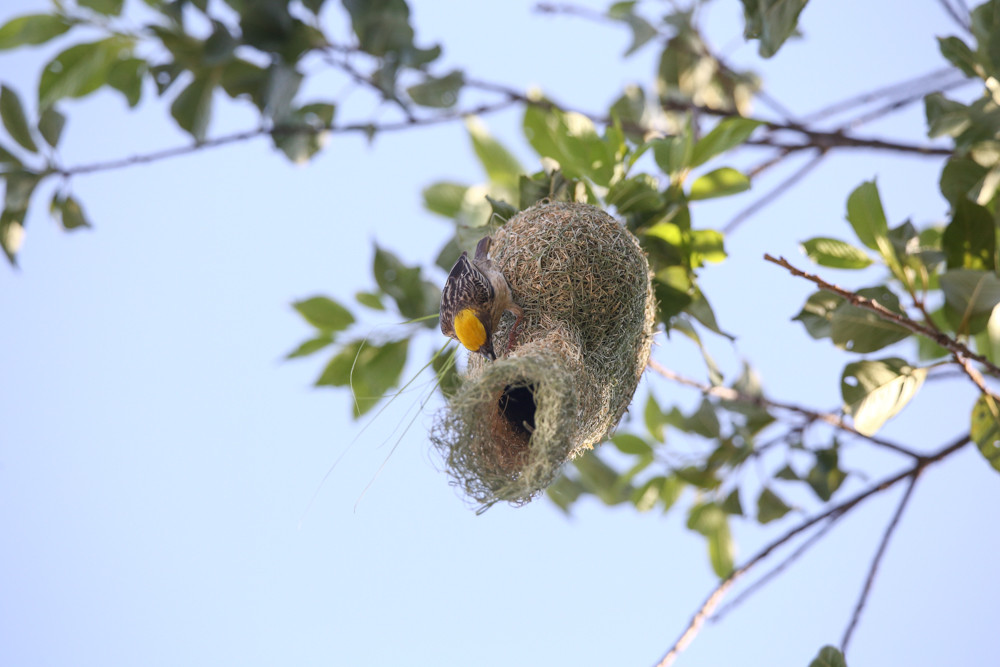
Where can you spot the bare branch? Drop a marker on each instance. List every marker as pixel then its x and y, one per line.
pixel 892 90
pixel 901 103
pixel 715 597
pixel 816 138
pixel 873 569
pixel 777 569
pixel 952 13
pixel 280 130
pixel 960 352
pixel 729 394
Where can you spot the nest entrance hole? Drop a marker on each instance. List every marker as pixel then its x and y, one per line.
pixel 512 423
pixel 517 406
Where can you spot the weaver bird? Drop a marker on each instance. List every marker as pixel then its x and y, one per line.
pixel 473 301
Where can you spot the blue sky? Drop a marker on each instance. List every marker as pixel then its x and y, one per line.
pixel 156 454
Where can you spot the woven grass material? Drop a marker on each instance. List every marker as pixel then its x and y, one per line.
pixel 584 285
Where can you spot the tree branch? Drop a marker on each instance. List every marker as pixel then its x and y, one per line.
pixel 777 569
pixel 959 350
pixel 706 608
pixel 280 130
pixel 729 394
pixel 873 569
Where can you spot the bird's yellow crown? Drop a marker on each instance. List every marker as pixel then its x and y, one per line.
pixel 470 331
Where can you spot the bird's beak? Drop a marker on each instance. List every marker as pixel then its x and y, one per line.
pixel 487 351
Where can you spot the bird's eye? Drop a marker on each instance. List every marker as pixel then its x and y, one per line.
pixel 470 331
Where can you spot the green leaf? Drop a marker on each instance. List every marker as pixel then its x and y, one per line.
pixel 634 194
pixel 653 417
pixel 865 213
pixel 501 211
pixel 646 496
pixel 632 444
pixel 945 117
pixel 50 125
pixel 860 330
pixel 126 76
pixel 601 479
pixel 370 370
pixel 303 132
pixel 875 391
pixel 9 159
pixel 310 346
pixel 564 492
pixel 721 551
pixel 106 7
pixel 413 296
pixel 642 30
pixel 673 154
pixel 219 46
pixel 825 477
pixel 835 253
pixel 771 21
pixel 438 92
pixel 444 198
pixel 732 505
pixel 960 178
pixel 446 371
pixel 719 183
pixel 960 55
pixel 817 313
pixel 78 71
pixel 382 26
pixel 192 109
pixel 969 240
pixel 727 134
pixel 969 293
pixel 20 186
pixel 985 429
pixel 69 213
pixel 500 165
pixel 31 29
pixel 14 119
pixel 370 300
pixel 571 139
pixel 770 507
pixel 828 657
pixel 11 233
pixel 324 313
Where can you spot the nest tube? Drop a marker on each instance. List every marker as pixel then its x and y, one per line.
pixel 584 285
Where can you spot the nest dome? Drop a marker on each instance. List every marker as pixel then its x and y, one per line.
pixel 584 285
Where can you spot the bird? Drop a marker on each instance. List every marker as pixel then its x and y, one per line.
pixel 474 299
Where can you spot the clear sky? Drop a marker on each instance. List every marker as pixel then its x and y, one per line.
pixel 156 454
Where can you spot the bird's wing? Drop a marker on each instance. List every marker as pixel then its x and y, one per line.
pixel 466 287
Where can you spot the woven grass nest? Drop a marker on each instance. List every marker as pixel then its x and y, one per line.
pixel 581 348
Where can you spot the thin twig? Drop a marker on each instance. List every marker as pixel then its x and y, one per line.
pixel 706 608
pixel 901 103
pixel 958 349
pixel 872 95
pixel 730 394
pixel 873 569
pixel 817 138
pixel 236 137
pixel 777 569
pixel 959 21
pixel 776 192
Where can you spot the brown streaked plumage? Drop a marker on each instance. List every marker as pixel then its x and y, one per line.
pixel 473 301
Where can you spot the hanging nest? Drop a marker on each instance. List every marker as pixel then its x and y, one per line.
pixel 584 285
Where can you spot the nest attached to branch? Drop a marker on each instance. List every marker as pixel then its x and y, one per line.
pixel 584 285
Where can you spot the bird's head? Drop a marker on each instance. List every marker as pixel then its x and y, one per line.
pixel 472 332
